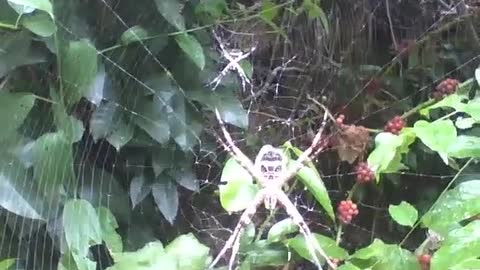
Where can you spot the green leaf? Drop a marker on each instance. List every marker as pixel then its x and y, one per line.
pixel 388 150
pixel 108 226
pixel 404 213
pixel 78 69
pixel 348 266
pixel 184 125
pixel 281 229
pixel 314 11
pixel 215 8
pixel 44 5
pixel 261 254
pixel 385 256
pixel 239 189
pixel 14 108
pixel 153 119
pixel 139 189
pixel 71 127
pixel 453 101
pixel 477 75
pixel 230 108
pixel 189 252
pixel 81 226
pixel 133 34
pixel 16 50
pixel 108 122
pixel 437 135
pixel 314 183
pixel 460 245
pixel 329 245
pixel 151 257
pixel 52 156
pixel 40 24
pixel 165 195
pixel 186 178
pixel 465 147
pixel 189 44
pixel 454 206
pixel 7 263
pixel 171 10
pixel 269 10
pixel 468 264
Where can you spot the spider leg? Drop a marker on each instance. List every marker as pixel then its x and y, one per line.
pixel 237 154
pixel 297 218
pixel 245 219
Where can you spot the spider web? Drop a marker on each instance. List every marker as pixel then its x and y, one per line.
pixel 200 212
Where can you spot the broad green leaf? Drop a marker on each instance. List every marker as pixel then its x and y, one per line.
pixel 108 122
pixel 52 156
pixel 162 159
pixel 165 195
pixel 454 206
pixel 139 189
pixel 473 108
pixel 71 127
pixel 133 34
pixel 171 10
pixel 247 237
pixel 81 226
pixel 6 264
pixel 44 5
pixel 152 117
pixel 261 254
pixel 151 257
pixel 314 183
pixel 239 189
pixel 108 226
pixel 214 8
pixel 72 261
pixel 465 147
pixel 100 188
pixel 329 245
pixel 184 124
pixel 387 256
pixel 437 135
pixel 40 24
pixel 314 11
pixel 281 229
pixel 228 105
pixel 78 69
pixel 189 252
pixel 453 101
pixel 186 178
pixel 16 50
pixel 14 197
pixel 14 108
pixel 404 213
pixel 468 264
pixel 348 266
pixel 190 45
pixel 460 245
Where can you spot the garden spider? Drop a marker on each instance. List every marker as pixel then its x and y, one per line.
pixel 271 172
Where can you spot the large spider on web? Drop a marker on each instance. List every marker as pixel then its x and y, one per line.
pixel 271 172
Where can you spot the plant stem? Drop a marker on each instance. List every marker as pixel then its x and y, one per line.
pixel 418 108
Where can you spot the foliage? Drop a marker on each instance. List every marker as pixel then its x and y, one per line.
pixel 105 108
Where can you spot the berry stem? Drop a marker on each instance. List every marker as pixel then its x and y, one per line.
pixel 418 108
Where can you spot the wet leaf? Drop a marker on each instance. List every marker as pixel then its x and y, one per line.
pixel 190 45
pixel 139 189
pixel 151 257
pixel 329 245
pixel 437 135
pixel 281 229
pixel 108 226
pixel 165 195
pixel 44 5
pixel 189 252
pixel 133 34
pixel 454 206
pixel 81 225
pixel 404 213
pixel 239 189
pixel 14 108
pixel 171 11
pixel 465 147
pixel 40 24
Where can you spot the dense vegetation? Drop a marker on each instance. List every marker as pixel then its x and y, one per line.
pixel 109 153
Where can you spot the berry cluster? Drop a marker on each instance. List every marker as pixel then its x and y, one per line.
pixel 347 210
pixel 364 173
pixel 424 261
pixel 445 88
pixel 340 119
pixel 395 125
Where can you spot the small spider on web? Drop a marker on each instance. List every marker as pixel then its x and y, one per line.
pixel 271 172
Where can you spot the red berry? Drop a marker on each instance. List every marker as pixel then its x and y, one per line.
pixel 363 173
pixel 395 125
pixel 347 210
pixel 424 261
pixel 445 88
